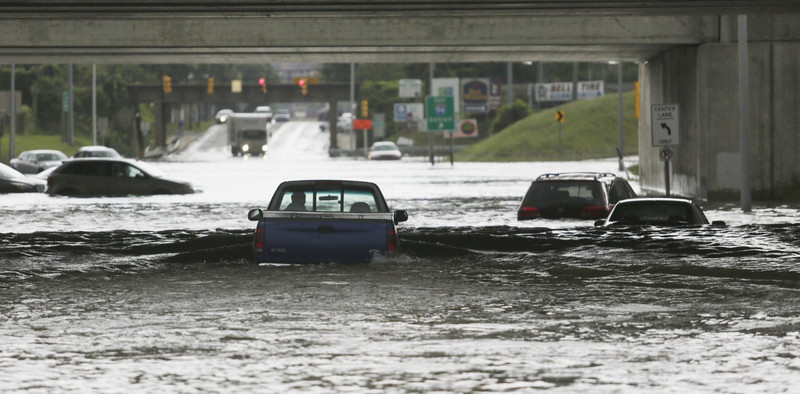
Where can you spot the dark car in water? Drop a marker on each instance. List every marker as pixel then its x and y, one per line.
pixel 656 212
pixel 579 195
pixel 112 177
pixel 13 181
pixel 36 161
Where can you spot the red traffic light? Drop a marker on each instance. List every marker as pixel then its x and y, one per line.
pixel 262 81
pixel 301 82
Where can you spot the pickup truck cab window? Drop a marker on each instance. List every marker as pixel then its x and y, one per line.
pixel 328 199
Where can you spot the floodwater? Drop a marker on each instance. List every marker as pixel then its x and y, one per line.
pixel 158 294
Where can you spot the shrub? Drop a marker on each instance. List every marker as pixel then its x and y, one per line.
pixel 510 114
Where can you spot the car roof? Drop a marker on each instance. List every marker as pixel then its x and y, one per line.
pixel 43 151
pixel 644 200
pixel 115 159
pixel 95 147
pixel 383 143
pixel 588 176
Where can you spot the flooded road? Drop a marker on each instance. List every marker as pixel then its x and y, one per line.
pixel 158 294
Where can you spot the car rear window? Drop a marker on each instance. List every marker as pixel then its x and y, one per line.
pixel 329 198
pixel 546 193
pixel 653 212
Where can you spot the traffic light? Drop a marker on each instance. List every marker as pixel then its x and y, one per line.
pixel 210 88
pixel 263 83
pixel 303 86
pixel 166 83
pixel 364 109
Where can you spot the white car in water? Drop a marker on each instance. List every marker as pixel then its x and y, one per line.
pixel 384 150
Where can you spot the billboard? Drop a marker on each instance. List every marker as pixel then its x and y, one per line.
pixel 408 112
pixel 475 95
pixel 590 89
pixel 556 91
pixel 409 88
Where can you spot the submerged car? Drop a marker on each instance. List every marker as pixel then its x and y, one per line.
pixel 36 161
pixel 384 150
pixel 283 115
pixel 656 212
pixel 325 221
pixel 96 151
pixel 112 177
pixel 579 195
pixel 13 181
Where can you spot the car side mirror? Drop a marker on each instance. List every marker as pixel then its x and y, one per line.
pixel 718 223
pixel 400 216
pixel 255 215
pixel 599 223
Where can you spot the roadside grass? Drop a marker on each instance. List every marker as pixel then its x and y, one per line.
pixel 589 131
pixel 40 141
pixel 29 141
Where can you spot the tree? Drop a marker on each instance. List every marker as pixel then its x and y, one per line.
pixel 509 114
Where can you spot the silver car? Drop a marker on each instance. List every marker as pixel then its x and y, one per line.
pixel 112 177
pixel 12 181
pixel 96 151
pixel 36 161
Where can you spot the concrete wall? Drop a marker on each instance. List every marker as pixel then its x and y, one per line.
pixel 703 80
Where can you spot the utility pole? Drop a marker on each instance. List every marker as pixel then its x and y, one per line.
pixel 510 82
pixel 71 114
pixel 619 115
pixel 744 116
pixel 94 104
pixel 13 133
pixel 430 132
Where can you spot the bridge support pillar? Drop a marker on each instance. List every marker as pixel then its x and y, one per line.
pixel 703 81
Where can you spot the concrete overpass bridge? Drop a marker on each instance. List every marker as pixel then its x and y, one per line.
pixel 686 51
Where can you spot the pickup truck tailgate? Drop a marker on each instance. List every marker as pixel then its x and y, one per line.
pixel 299 237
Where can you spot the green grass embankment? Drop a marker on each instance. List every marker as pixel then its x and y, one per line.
pixel 40 141
pixel 590 131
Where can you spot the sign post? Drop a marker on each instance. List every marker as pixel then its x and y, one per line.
pixel 440 113
pixel 665 132
pixel 559 121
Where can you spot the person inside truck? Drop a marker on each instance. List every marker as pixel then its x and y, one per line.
pixel 298 202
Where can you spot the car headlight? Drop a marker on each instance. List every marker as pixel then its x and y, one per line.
pixel 264 148
pixel 223 118
pixel 245 148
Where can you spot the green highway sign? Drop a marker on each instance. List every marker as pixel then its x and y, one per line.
pixel 440 113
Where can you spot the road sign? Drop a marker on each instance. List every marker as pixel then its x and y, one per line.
pixel 440 112
pixel 362 124
pixel 664 121
pixel 665 154
pixel 560 116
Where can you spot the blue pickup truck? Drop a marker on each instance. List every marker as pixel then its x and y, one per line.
pixel 325 221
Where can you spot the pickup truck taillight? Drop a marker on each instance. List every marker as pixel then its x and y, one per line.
pixel 258 239
pixel 391 240
pixel 525 213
